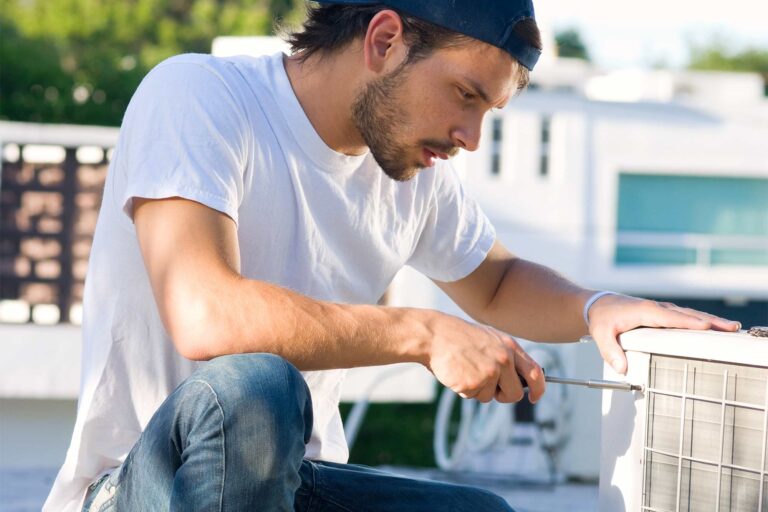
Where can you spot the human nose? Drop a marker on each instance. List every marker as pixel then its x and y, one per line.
pixel 467 135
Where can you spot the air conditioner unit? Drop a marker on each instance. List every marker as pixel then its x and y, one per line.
pixel 695 438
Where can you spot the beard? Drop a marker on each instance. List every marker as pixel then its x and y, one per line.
pixel 380 118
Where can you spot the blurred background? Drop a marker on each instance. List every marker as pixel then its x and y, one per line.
pixel 637 161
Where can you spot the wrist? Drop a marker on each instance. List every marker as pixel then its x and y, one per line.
pixel 416 333
pixel 591 302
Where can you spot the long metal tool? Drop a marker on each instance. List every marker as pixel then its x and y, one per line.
pixel 589 383
pixel 595 384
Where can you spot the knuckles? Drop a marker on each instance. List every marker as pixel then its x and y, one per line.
pixel 652 304
pixel 535 374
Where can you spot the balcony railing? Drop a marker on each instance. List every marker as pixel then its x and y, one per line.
pixel 638 247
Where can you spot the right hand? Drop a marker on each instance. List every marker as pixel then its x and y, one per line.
pixel 480 362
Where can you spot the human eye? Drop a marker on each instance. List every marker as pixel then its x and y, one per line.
pixel 466 95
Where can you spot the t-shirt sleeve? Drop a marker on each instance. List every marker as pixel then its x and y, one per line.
pixel 457 235
pixel 184 135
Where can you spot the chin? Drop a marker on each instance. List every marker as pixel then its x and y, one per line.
pixel 403 175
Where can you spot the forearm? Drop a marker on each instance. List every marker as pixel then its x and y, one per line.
pixel 537 303
pixel 254 316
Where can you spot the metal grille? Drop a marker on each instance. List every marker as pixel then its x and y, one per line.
pixel 705 446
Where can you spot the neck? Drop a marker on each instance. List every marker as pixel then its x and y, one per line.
pixel 326 87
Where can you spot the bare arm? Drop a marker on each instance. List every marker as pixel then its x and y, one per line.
pixel 209 309
pixel 521 297
pixel 192 258
pixel 534 302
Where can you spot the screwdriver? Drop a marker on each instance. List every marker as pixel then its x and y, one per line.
pixel 589 383
pixel 595 384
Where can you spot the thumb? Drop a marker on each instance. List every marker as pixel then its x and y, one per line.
pixel 612 352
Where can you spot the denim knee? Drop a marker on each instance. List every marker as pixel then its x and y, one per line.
pixel 233 432
pixel 258 381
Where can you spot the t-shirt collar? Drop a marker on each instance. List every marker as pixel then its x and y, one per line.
pixel 306 136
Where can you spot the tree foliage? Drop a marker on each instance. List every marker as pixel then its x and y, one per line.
pixel 79 61
pixel 717 56
pixel 570 44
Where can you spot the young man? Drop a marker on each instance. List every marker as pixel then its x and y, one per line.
pixel 255 210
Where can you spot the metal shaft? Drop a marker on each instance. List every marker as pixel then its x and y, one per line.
pixel 596 384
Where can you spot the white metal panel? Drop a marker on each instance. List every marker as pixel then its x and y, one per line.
pixel 623 438
pixel 726 347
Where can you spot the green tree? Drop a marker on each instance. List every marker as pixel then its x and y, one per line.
pixel 717 56
pixel 570 44
pixel 79 61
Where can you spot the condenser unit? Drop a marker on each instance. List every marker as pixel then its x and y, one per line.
pixel 694 439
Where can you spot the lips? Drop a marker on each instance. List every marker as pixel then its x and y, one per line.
pixel 439 154
pixel 430 155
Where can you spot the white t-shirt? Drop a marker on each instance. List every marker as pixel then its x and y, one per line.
pixel 231 134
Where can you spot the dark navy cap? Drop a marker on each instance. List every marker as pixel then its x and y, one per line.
pixel 491 21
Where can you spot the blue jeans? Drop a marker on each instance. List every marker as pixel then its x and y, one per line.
pixel 232 437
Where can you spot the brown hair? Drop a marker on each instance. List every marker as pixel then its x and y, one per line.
pixel 329 28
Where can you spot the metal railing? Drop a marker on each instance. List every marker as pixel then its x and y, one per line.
pixel 702 244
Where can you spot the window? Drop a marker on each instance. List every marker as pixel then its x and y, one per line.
pixel 692 220
pixel 497 136
pixel 544 155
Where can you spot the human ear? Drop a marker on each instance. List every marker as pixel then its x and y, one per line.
pixel 383 46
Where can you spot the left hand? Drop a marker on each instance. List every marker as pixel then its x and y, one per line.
pixel 612 315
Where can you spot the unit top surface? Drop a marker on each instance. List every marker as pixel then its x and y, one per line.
pixel 740 347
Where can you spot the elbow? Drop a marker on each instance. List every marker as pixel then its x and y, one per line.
pixel 192 345
pixel 192 351
pixel 192 327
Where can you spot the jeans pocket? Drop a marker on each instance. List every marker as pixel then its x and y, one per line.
pixel 93 491
pixel 101 495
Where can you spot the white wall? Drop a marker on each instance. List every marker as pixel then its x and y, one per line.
pixel 567 220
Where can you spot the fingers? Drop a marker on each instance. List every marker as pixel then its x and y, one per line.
pixel 611 351
pixel 502 361
pixel 532 373
pixel 510 388
pixel 482 363
pixel 711 321
pixel 521 364
pixel 618 314
pixel 501 381
pixel 665 314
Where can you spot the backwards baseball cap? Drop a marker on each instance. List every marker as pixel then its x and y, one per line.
pixel 491 21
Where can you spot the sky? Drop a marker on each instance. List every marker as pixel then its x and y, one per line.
pixel 627 33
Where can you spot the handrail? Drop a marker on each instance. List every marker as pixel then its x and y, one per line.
pixel 703 244
pixel 67 135
pixel 692 240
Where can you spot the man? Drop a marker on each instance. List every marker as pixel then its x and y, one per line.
pixel 255 210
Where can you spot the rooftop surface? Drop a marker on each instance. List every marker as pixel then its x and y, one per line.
pixel 24 490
